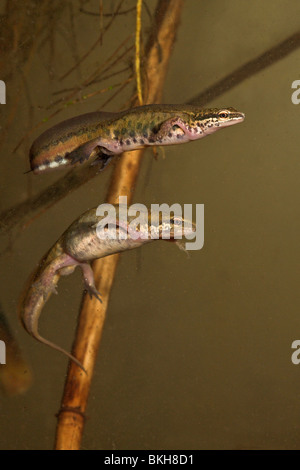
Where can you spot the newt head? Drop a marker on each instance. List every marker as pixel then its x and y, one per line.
pixel 228 116
pixel 211 119
pixel 164 226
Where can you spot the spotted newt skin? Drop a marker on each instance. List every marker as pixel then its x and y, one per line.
pixel 96 137
pixel 78 246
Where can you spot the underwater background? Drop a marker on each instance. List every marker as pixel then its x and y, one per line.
pixel 196 350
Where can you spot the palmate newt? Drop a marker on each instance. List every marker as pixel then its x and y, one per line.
pixel 95 137
pixel 79 245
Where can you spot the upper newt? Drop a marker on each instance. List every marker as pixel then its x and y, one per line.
pixel 97 136
pixel 81 244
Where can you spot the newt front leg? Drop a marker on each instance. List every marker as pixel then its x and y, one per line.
pixel 176 124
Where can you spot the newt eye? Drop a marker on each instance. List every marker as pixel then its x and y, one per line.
pixel 175 221
pixel 224 115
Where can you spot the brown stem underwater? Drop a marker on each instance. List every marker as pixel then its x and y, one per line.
pixel 73 406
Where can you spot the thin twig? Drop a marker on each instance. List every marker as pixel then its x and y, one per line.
pixel 276 53
pixel 24 21
pixel 74 41
pixel 100 79
pixel 72 413
pixel 137 51
pixel 69 100
pixel 101 20
pixel 107 65
pixel 123 12
pixel 24 213
pixel 94 45
pixel 121 88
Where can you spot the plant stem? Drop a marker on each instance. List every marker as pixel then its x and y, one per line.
pixel 92 316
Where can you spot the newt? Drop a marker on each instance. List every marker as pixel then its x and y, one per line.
pixel 78 246
pixel 97 136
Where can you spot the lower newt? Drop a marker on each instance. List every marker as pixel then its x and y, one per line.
pixel 78 246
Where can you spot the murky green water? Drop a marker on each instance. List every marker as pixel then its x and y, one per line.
pixel 196 351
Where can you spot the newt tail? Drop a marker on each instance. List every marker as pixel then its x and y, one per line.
pixel 41 284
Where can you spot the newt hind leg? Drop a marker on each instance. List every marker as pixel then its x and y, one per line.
pixel 89 151
pixel 89 281
pixel 88 275
pixel 102 161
